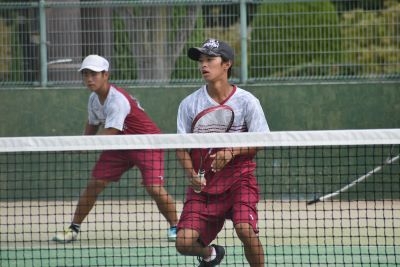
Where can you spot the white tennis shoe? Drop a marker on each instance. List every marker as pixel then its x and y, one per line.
pixel 67 236
pixel 70 235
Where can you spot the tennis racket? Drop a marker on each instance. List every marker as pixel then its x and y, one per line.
pixel 218 119
pixel 388 161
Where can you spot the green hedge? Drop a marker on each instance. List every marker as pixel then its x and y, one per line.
pixel 294 39
pixel 370 41
pixel 312 39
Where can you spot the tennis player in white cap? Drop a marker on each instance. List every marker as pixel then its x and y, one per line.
pixel 113 111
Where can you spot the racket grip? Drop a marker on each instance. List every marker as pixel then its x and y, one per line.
pixel 201 175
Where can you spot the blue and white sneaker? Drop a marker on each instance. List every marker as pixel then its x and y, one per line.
pixel 172 234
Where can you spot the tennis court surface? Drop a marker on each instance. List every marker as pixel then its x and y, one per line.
pixel 328 198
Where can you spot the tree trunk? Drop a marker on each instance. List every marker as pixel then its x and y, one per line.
pixel 155 44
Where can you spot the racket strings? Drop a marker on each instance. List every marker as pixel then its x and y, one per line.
pixel 217 121
pixel 210 128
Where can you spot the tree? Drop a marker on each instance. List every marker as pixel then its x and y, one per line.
pixel 370 42
pixel 294 39
pixel 157 35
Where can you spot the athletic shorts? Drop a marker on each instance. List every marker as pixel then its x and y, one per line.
pixel 207 213
pixel 113 163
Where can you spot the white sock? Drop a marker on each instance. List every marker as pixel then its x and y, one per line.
pixel 212 256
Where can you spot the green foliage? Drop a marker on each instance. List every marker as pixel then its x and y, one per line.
pixel 5 50
pixel 310 39
pixel 183 70
pixel 370 41
pixel 124 63
pixel 291 39
pixel 17 58
pixel 294 39
pixel 215 21
pixel 10 53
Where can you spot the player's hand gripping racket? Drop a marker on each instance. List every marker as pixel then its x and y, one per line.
pixel 218 119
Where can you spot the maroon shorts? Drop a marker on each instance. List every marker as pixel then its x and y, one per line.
pixel 113 163
pixel 207 213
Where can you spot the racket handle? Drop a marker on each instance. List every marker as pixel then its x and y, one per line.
pixel 201 175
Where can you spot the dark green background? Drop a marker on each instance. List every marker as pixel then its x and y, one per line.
pixel 53 112
pixel 37 112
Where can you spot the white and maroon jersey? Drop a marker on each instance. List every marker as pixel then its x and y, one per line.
pixel 249 117
pixel 120 111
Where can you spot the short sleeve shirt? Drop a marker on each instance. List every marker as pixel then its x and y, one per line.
pixel 120 111
pixel 249 117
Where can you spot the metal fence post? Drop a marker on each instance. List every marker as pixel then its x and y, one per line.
pixel 43 44
pixel 243 42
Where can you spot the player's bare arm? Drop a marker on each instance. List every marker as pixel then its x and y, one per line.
pixel 186 162
pixel 109 131
pixel 91 129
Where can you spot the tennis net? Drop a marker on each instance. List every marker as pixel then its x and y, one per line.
pixel 327 198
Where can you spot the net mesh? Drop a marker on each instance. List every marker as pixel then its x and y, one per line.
pixel 41 179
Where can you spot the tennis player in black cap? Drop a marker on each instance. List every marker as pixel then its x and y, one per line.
pixel 229 189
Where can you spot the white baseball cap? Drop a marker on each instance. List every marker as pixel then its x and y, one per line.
pixel 95 63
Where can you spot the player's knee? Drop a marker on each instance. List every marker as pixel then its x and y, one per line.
pixel 96 186
pixel 183 244
pixel 154 190
pixel 244 231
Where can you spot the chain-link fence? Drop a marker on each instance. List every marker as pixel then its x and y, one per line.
pixel 43 42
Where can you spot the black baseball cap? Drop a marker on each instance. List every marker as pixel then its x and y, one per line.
pixel 213 48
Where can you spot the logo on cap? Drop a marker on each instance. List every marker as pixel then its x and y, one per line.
pixel 211 44
pixel 212 47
